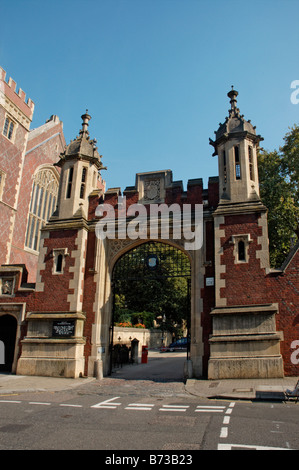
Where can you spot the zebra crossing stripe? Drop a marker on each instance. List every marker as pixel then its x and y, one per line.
pixel 112 404
pixel 140 406
pixel 174 408
pixel 209 409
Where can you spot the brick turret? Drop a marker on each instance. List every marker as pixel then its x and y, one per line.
pixel 80 165
pixel 241 260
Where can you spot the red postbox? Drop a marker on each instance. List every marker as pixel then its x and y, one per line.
pixel 144 355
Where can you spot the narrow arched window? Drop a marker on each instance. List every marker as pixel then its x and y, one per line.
pixel 8 129
pixel 224 167
pixel 83 181
pixel 250 158
pixel 42 205
pixel 59 256
pixel 241 251
pixel 237 163
pixel 69 183
pixel 59 263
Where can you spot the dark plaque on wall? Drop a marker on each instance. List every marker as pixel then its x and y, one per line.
pixel 63 328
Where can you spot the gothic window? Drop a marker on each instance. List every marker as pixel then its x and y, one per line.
pixel 59 255
pixel 70 182
pixel 241 248
pixel 42 205
pixel 237 163
pixel 250 158
pixel 8 128
pixel 83 181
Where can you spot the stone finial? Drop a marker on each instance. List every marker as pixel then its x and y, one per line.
pixel 232 94
pixel 85 118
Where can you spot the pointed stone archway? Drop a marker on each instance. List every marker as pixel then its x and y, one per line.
pixel 108 252
pixel 11 319
pixel 151 267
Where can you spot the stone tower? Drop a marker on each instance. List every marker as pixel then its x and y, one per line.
pixel 16 115
pixel 236 145
pixel 244 342
pixel 80 164
pixel 55 343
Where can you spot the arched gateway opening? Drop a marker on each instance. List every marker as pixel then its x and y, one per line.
pixel 151 286
pixel 8 331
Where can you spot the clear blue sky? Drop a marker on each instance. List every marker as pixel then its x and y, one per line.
pixel 154 74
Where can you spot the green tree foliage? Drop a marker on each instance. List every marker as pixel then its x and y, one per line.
pixel 290 161
pixel 144 294
pixel 278 178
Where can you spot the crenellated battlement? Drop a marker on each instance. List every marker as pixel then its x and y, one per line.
pixel 9 87
pixel 157 187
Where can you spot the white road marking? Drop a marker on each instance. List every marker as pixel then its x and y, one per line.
pixel 224 432
pixel 107 404
pixel 181 408
pixel 73 406
pixel 226 419
pixel 10 401
pixel 209 409
pixel 39 403
pixel 211 406
pixel 176 406
pixel 244 446
pixel 112 404
pixel 140 406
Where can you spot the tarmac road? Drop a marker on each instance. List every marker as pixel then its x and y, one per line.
pixel 161 367
pixel 145 407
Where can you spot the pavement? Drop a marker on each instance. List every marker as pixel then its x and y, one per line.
pixel 241 389
pixel 232 389
pixel 11 383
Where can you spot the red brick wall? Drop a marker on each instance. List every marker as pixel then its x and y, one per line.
pixel 46 153
pixel 249 284
pixel 10 164
pixel 245 282
pixel 284 289
pixel 174 195
pixel 9 89
pixel 5 227
pixel 56 286
pixel 19 167
pixel 213 192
